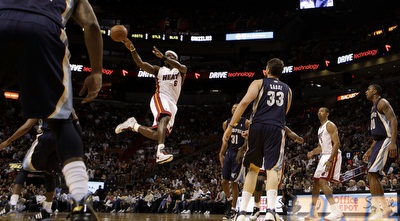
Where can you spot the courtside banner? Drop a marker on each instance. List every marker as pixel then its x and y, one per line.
pixel 348 203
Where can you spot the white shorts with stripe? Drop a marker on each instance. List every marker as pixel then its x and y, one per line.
pixel 160 104
pixel 334 173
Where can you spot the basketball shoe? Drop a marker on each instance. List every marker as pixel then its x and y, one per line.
pixel 8 209
pixel 271 215
pixel 378 214
pixel 41 216
pixel 127 125
pixel 162 157
pixel 240 216
pixel 255 214
pixel 83 209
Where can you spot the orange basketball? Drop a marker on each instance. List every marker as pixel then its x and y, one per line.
pixel 118 33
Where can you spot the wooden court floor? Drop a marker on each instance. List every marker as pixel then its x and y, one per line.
pixel 176 217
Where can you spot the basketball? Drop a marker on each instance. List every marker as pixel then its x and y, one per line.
pixel 118 33
pixel 177 192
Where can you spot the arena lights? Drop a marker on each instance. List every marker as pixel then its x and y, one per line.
pixel 347 96
pixel 249 36
pixel 163 37
pixel 11 95
pixel 307 67
pixel 200 38
pixel 352 56
pixel 391 28
pixel 78 68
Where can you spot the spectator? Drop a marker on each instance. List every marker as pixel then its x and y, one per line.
pixel 394 185
pixel 182 201
pixel 307 186
pixel 351 185
pixel 361 186
pixel 195 201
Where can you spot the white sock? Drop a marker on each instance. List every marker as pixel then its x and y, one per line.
pixel 246 196
pixel 76 179
pixel 160 147
pixel 136 127
pixel 47 206
pixel 14 199
pixel 271 198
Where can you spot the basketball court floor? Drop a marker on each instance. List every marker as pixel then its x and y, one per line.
pixel 178 217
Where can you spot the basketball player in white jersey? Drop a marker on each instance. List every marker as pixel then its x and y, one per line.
pixel 328 169
pixel 169 80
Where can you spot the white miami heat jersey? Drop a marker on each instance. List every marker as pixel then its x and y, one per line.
pixel 169 83
pixel 325 139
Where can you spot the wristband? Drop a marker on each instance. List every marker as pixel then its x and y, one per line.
pixel 164 58
pixel 134 49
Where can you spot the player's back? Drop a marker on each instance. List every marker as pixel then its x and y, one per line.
pixel 57 10
pixel 270 105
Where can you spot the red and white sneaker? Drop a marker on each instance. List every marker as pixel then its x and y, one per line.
pixel 161 157
pixel 127 125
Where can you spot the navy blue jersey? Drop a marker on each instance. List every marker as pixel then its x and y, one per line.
pixel 380 125
pixel 237 140
pixel 57 10
pixel 271 103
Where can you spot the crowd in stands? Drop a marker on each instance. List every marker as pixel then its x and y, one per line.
pixel 190 183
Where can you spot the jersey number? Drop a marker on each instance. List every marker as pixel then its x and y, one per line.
pixel 372 123
pixel 275 98
pixel 234 139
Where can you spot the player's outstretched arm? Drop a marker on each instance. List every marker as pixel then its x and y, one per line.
pixel 151 69
pixel 19 132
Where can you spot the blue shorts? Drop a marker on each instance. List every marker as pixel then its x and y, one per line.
pixel 231 169
pixel 42 155
pixel 268 142
pixel 379 161
pixel 35 56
